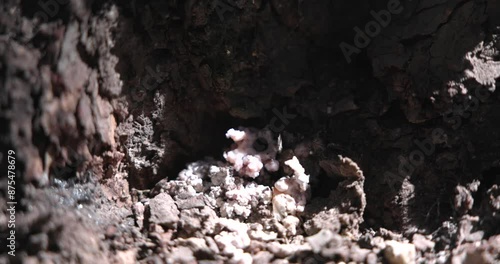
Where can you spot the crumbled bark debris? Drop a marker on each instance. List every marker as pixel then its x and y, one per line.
pixel 117 114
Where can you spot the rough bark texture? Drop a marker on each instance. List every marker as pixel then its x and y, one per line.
pixel 105 102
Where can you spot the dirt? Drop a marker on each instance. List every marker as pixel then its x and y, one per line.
pixel 116 114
